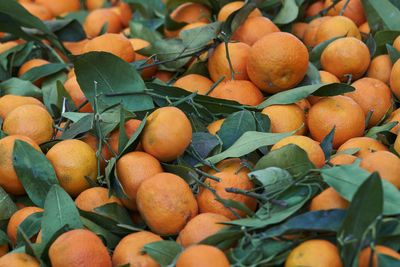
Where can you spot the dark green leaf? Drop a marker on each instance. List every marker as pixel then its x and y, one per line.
pixel 163 252
pixel 81 126
pixel 236 205
pixel 30 226
pixel 7 206
pixel 387 261
pixel 374 131
pixel 223 239
pixel 287 13
pixel 272 178
pixel 382 15
pixel 115 211
pixel 393 53
pixel 111 240
pixel 16 86
pixel 371 44
pixel 326 144
pixel 382 38
pixel 36 73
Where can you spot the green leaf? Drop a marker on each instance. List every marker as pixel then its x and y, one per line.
pixel 287 13
pixel 68 29
pixel 374 131
pixel 387 261
pixel 313 75
pixel 30 226
pixel 163 252
pixel 365 207
pixel 140 31
pixel 393 53
pixel 16 86
pixel 36 73
pixel 54 92
pixel 7 206
pixel 326 144
pixel 224 238
pixel 134 140
pixel 272 178
pixel 116 212
pixel 81 126
pixel 371 44
pixel 381 15
pixel 200 36
pixel 116 81
pixel 382 38
pixel 111 240
pixel 29 248
pixel 316 52
pixel 34 171
pixel 59 210
pixel 184 172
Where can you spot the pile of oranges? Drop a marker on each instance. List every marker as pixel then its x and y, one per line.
pixel 260 60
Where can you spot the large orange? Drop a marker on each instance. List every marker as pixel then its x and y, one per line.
pixel 242 91
pixel 16 219
pixel 167 133
pixel 277 62
pixel 365 255
pixel 380 68
pixel 95 197
pixel 78 97
pixel 194 82
pixel 132 169
pixel 286 118
pixel 336 27
pixel 253 29
pixel 327 200
pixel 73 160
pixel 366 145
pixel 311 31
pixel 79 247
pixel 9 102
pixel 231 7
pixel 166 203
pixel 354 10
pixel 18 260
pixel 202 255
pixel 340 112
pixel 346 56
pixel 130 250
pixel 30 120
pixel 58 7
pixel 96 19
pixel 395 80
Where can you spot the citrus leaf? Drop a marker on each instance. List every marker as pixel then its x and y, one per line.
pixel 224 238
pixel 316 52
pixel 381 15
pixel 111 240
pixel 272 178
pixel 393 53
pixel 163 252
pixel 236 205
pixel 200 36
pixel 115 212
pixel 16 86
pixel 7 206
pixel 36 73
pixel 382 38
pixel 30 226
pixel 287 13
pixel 374 131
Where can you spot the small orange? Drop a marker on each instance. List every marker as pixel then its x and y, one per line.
pixel 343 160
pixel 30 64
pixel 39 11
pixel 286 118
pixel 95 197
pixel 96 19
pixel 79 247
pixel 365 255
pixel 380 68
pixel 354 10
pixel 336 27
pixel 395 80
pixel 78 97
pixel 16 219
pixel 58 7
pixel 314 9
pixel 215 126
pixel 277 62
pixel 242 91
pixel 299 29
pixel 166 203
pixel 130 250
pixel 231 7
pixel 167 133
pixel 366 145
pixel 311 147
pixel 327 200
pixel 194 82
pixel 30 120
pixel 253 29
pixel 67 157
pixel 201 227
pixel 202 255
pixel 311 31
pixel 18 260
pixel 9 102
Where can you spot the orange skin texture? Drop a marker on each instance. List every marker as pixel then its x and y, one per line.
pixel 79 247
pixel 218 64
pixel 277 62
pixel 132 169
pixel 311 147
pixel 58 7
pixel 367 146
pixel 124 12
pixel 78 97
pixel 9 102
pixel 314 9
pixel 311 31
pixel 244 92
pixel 394 79
pixel 164 75
pixel 194 82
pixel 299 29
pixel 18 260
pixel 353 11
pixel 343 160
pixel 372 94
pixel 346 56
pixel 67 157
pixel 42 12
pixel 8 177
pixel 385 163
pixel 202 255
pixel 94 4
pixel 166 203
pixel 32 64
pixel 327 200
pixel 253 29
pixel 396 43
pixel 340 111
pixel 75 47
pixel 380 68
pixel 231 7
pixel 167 133
pixel 7 45
pixel 286 118
pixel 201 227
pixel 33 121
pixel 113 43
pixel 3 250
pixel 215 126
pixel 366 254
pixel 129 250
pixel 93 198
pixel 206 199
pixel 306 253
pixel 97 18
pixel 336 27
pixel 16 219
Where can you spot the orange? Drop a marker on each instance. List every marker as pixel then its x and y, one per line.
pixel 9 102
pixel 372 94
pixel 354 10
pixel 336 27
pixel 79 247
pixel 132 169
pixel 167 133
pixel 113 43
pixel 339 111
pixel 124 12
pixel 201 227
pixel 8 177
pixel 30 120
pixel 311 147
pixel 253 29
pixel 346 56
pixel 207 202
pixel 343 160
pixel 366 145
pixel 394 79
pixel 96 19
pixel 166 203
pixel 113 138
pixel 385 163
pixel 218 64
pixel 16 219
pixel 130 250
pixel 299 29
pixel 42 12
pixel 3 250
pixel 365 255
pixel 164 75
pixel 18 260
pixel 314 9
pixel 93 4
pixel 380 68
pixel 58 7
pixel 286 118
pixel 327 200
pixel 7 45
pixel 95 197
pixel 194 82
pixel 231 7
pixel 215 126
pixel 277 62
pixel 242 91
pixel 75 47
pixel 232 165
pixel 311 31
pixel 67 157
pixel 78 97
pixel 364 29
pixel 396 43
pixel 306 253
pixel 33 63
pixel 202 255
